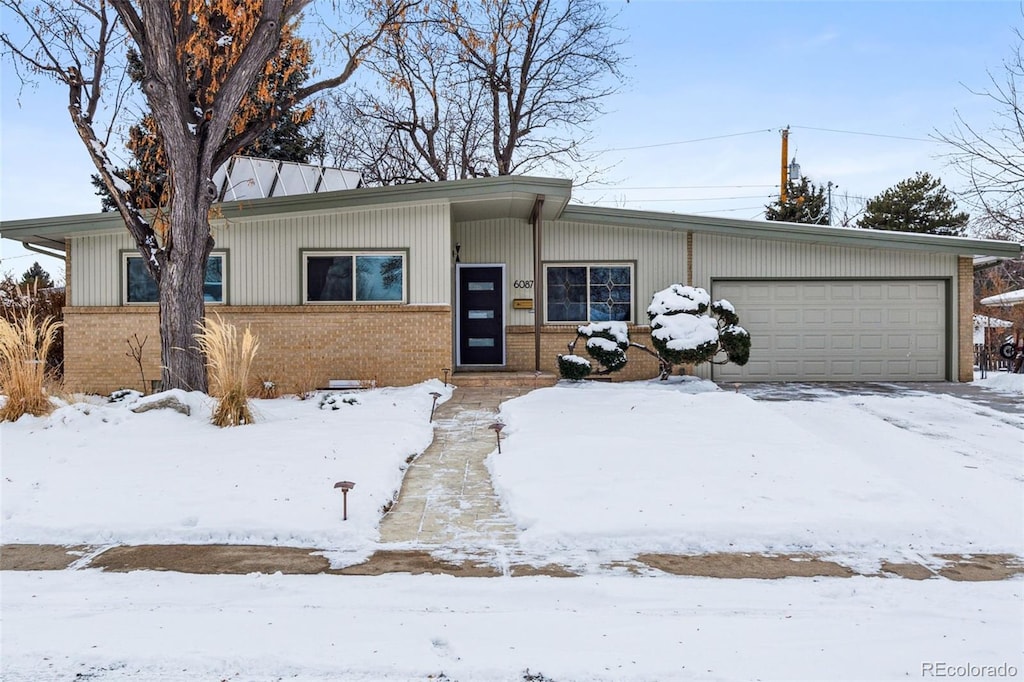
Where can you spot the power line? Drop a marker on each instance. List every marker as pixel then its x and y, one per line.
pixel 616 187
pixel 857 132
pixel 641 201
pixel 669 144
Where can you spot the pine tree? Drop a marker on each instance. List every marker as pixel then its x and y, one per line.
pixel 918 204
pixel 805 203
pixel 286 140
pixel 36 278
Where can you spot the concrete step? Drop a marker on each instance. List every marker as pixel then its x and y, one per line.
pixel 465 379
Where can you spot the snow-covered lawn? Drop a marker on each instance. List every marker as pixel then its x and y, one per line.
pixel 684 468
pixel 100 473
pixel 586 470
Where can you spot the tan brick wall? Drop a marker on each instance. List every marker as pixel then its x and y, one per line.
pixel 553 342
pixel 965 308
pixel 301 347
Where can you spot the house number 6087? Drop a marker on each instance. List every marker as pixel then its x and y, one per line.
pixel 523 284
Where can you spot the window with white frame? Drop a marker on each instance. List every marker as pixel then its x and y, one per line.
pixel 354 277
pixel 139 287
pixel 598 292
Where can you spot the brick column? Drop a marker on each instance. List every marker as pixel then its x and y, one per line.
pixel 965 308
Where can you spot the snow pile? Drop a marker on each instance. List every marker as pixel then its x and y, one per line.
pixel 649 467
pixel 99 474
pixel 1003 381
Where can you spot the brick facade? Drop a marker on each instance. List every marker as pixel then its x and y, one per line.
pixel 301 347
pixel 553 342
pixel 965 312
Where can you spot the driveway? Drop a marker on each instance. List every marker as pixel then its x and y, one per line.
pixel 996 400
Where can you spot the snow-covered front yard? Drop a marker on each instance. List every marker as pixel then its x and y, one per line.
pixel 686 468
pixel 586 470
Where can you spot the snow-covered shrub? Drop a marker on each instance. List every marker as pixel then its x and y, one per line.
pixel 332 401
pixel 124 395
pixel 688 328
pixel 573 367
pixel 606 344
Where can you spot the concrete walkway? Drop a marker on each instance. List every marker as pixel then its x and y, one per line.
pixel 447 499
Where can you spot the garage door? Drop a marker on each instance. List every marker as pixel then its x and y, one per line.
pixel 839 330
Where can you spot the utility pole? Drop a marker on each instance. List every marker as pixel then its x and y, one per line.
pixel 830 186
pixel 785 158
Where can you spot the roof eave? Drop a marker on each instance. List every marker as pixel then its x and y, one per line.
pixel 797 232
pixel 495 197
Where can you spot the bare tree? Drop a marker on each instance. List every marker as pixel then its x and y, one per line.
pixel 992 160
pixel 203 63
pixel 494 87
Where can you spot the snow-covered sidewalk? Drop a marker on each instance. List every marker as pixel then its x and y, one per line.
pixel 173 627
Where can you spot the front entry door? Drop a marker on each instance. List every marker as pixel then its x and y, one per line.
pixel 481 315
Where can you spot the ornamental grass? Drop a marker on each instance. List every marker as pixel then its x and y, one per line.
pixel 25 343
pixel 229 359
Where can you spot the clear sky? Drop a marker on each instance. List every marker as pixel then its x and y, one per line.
pixel 736 72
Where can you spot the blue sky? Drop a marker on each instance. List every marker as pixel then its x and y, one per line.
pixel 735 71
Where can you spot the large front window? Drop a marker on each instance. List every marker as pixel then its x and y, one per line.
pixel 373 277
pixel 138 286
pixel 589 293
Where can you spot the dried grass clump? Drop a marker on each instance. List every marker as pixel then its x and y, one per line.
pixel 25 343
pixel 264 388
pixel 229 361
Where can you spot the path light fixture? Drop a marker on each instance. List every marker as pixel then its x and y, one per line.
pixel 446 370
pixel 497 427
pixel 345 487
pixel 433 406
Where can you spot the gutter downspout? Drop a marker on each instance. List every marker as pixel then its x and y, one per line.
pixel 535 218
pixel 38 249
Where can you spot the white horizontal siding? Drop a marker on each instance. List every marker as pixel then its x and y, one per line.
pixel 659 255
pixel 718 256
pixel 264 255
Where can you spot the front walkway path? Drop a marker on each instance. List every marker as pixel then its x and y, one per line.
pixel 447 499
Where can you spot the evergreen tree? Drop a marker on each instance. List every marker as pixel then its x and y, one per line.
pixel 286 140
pixel 36 278
pixel 918 204
pixel 805 203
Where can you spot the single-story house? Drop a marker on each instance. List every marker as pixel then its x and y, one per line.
pixel 397 284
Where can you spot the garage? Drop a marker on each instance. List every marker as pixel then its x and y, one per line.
pixel 840 330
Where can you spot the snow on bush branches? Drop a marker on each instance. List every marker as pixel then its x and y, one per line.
pixel 686 328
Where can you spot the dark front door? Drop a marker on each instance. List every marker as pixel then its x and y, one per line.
pixel 481 315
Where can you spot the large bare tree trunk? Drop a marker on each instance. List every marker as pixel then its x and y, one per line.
pixel 182 306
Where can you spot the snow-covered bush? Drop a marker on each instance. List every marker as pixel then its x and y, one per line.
pixel 573 367
pixel 606 344
pixel 687 327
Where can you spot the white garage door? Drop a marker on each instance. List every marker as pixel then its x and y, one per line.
pixel 802 330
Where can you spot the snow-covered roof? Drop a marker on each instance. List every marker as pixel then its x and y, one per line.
pixel 1007 299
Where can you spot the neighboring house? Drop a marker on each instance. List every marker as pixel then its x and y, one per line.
pixel 395 284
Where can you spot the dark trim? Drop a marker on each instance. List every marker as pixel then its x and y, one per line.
pixel 406 279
